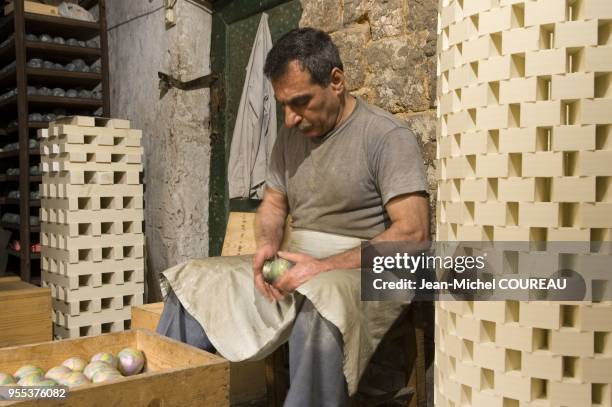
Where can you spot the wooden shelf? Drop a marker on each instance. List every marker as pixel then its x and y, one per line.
pixel 61 26
pixel 14 201
pixel 31 125
pixel 15 226
pixel 57 101
pixel 61 53
pixel 15 178
pixel 18 254
pixel 15 153
pixel 62 79
pixel 10 104
pixel 13 108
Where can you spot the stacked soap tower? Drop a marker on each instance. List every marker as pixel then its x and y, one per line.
pixel 525 154
pixel 91 223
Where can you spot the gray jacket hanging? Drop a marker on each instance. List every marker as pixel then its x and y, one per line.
pixel 255 129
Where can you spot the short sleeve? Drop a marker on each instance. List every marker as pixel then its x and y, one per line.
pixel 275 175
pixel 397 164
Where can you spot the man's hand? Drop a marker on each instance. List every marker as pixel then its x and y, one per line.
pixel 305 268
pixel 264 253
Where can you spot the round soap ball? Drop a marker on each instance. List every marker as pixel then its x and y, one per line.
pixel 131 361
pixel 105 357
pixel 31 380
pixel 27 370
pixel 272 270
pixel 75 364
pixel 106 375
pixel 74 379
pixel 96 366
pixel 6 378
pixel 57 372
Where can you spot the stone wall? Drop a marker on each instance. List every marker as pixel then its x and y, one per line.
pixel 176 133
pixel 389 53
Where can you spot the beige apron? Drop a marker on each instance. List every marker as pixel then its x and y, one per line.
pixel 242 325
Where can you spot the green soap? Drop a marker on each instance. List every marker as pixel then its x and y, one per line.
pixel 272 270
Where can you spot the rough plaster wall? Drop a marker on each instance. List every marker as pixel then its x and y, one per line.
pixel 176 134
pixel 388 48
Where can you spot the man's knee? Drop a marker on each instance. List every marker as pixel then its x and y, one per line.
pixel 177 323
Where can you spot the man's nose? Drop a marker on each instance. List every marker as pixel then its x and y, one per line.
pixel 292 119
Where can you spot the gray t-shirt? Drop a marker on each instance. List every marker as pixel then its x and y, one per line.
pixel 340 184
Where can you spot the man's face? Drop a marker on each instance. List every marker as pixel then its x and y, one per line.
pixel 314 110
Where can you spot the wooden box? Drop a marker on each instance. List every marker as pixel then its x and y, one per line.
pixel 33 7
pixel 247 379
pixel 175 374
pixel 25 312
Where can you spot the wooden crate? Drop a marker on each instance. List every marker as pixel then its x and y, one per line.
pixel 25 312
pixel 175 374
pixel 247 379
pixel 33 7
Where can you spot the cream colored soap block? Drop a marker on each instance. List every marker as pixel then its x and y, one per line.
pixel 513 385
pixel 542 364
pixel 475 189
pixel 573 189
pixel 478 48
pixel 544 12
pixel 539 214
pixel 495 165
pixel 601 9
pixel 476 96
pixel 520 40
pixel 545 62
pixel 470 233
pixel 453 167
pixel 577 85
pixel 495 20
pixel 570 393
pixel 494 117
pixel 518 90
pixel 491 213
pixel 452 212
pixel 594 163
pixel 511 234
pixel 474 142
pixel 476 6
pixel 596 111
pixel 460 122
pixel 546 113
pixel 576 34
pixel 595 215
pixel 573 138
pixel 542 164
pixel 520 140
pixel 598 59
pixel 518 189
pixel 495 69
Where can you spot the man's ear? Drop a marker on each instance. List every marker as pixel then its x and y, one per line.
pixel 337 80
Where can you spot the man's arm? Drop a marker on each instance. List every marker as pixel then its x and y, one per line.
pixel 269 230
pixel 270 219
pixel 409 215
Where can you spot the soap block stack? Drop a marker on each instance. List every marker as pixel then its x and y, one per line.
pixel 91 224
pixel 525 154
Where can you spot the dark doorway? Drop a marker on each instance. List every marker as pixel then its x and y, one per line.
pixel 234 27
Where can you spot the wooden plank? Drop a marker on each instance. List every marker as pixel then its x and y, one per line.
pixel 34 7
pixel 26 312
pixel 247 379
pixel 175 374
pixel 240 234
